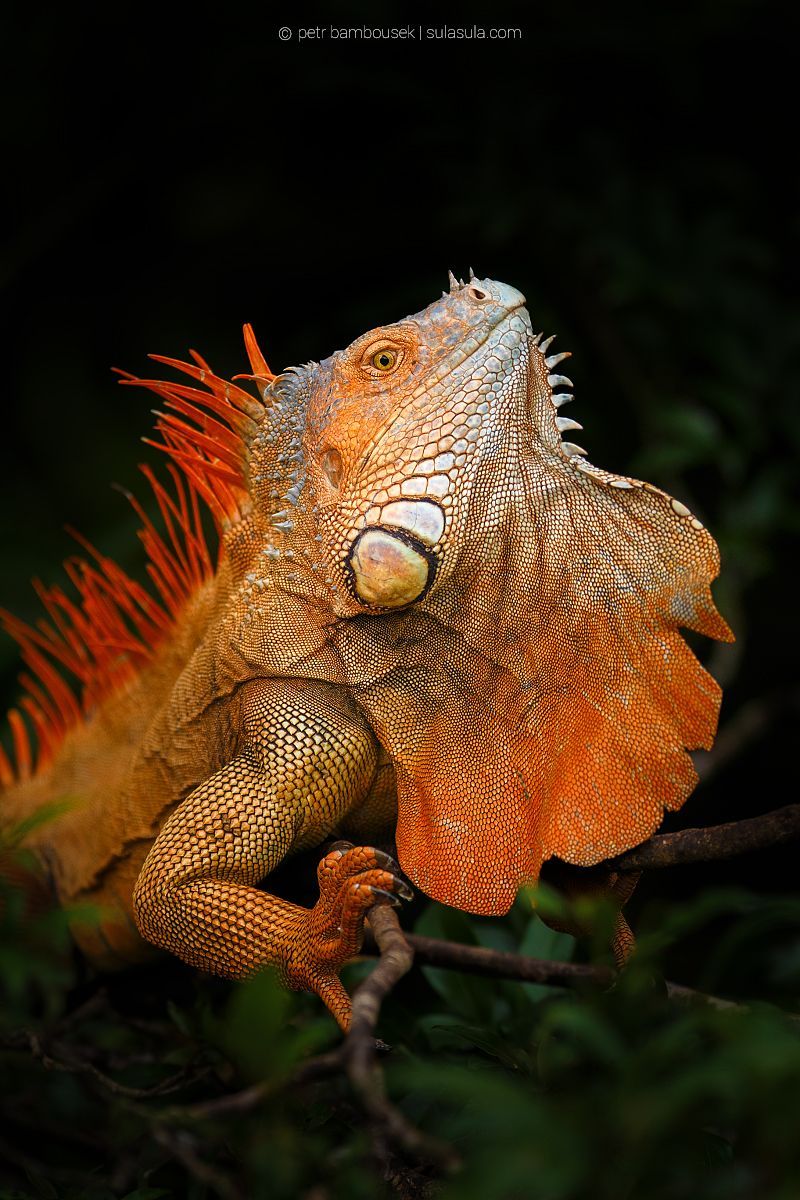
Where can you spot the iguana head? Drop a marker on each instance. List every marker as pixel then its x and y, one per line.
pixel 397 425
pixel 505 613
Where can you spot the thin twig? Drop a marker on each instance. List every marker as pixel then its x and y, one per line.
pixel 499 964
pixel 55 1058
pixel 252 1097
pixel 679 993
pixel 95 1003
pixel 182 1146
pixel 716 842
pixel 38 1169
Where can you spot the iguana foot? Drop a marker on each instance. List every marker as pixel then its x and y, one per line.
pixel 594 883
pixel 352 880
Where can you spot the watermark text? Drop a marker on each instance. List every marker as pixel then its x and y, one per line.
pixel 399 33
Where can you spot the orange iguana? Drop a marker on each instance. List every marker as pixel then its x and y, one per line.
pixel 428 612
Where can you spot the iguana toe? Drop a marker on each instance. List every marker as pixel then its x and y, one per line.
pixel 351 881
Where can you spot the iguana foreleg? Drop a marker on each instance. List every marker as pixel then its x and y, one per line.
pixel 307 760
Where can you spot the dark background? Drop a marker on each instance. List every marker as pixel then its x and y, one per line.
pixel 634 173
pixel 632 168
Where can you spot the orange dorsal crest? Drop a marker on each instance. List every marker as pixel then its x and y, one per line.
pixel 93 641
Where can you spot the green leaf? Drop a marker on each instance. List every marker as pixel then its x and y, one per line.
pixel 494 1045
pixel 257 1031
pixel 15 835
pixel 473 998
pixel 540 941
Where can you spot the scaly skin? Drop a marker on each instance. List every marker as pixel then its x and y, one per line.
pixel 430 615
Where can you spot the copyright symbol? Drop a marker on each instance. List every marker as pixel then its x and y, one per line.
pixel 284 33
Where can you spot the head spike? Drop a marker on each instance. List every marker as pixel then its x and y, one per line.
pixel 563 424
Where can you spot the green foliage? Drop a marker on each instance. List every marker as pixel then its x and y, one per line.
pixel 258 1033
pixel 624 1098
pixel 622 1093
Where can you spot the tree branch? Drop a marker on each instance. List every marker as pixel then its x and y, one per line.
pixel 390 1129
pixel 716 842
pixel 358 1057
pixel 57 1058
pixel 181 1145
pixel 251 1097
pixel 499 964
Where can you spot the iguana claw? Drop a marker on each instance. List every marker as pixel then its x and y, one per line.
pixel 382 897
pixel 381 858
pixel 352 879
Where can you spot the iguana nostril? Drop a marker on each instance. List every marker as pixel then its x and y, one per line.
pixel 476 293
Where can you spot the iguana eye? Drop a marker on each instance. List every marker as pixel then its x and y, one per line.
pixel 382 352
pixel 384 360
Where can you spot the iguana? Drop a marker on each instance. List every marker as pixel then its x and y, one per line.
pixel 428 613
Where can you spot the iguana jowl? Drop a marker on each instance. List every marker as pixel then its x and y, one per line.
pixel 429 611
